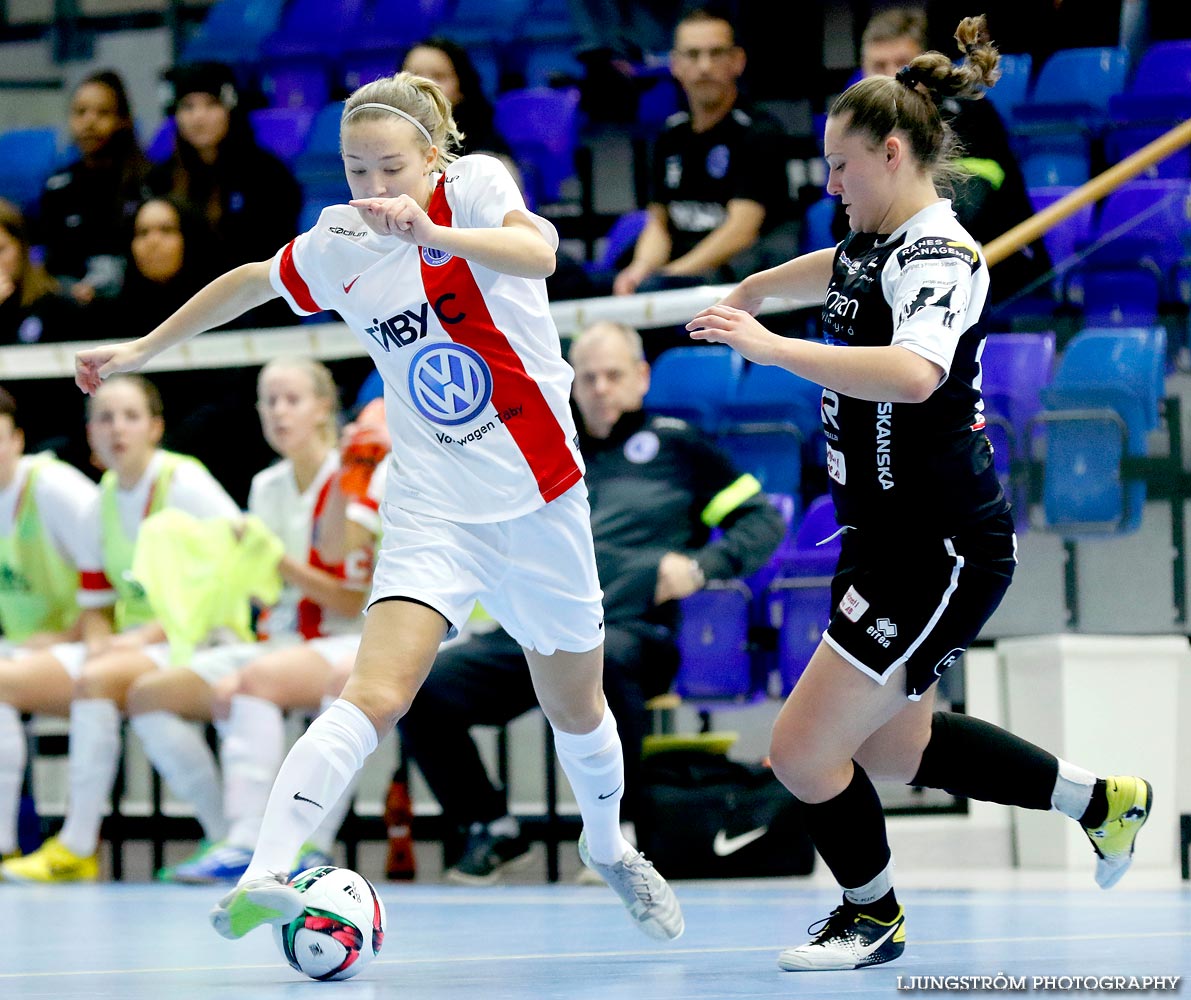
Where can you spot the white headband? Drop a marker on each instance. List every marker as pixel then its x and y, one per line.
pixel 397 111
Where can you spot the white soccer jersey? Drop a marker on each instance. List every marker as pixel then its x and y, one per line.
pixel 63 496
pixel 293 516
pixel 476 389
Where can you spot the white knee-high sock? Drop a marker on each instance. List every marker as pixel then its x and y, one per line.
pixel 1073 790
pixel 180 753
pixel 594 765
pixel 315 774
pixel 13 752
pixel 251 752
pixel 94 756
pixel 324 836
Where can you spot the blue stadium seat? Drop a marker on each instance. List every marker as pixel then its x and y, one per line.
pixel 1069 101
pixel 1122 140
pixel 314 28
pixel 1161 87
pixel 1013 87
pixel 160 147
pixel 620 238
pixel 282 131
pixel 769 393
pixel 550 62
pixel 693 383
pixel 295 83
pixel 1103 401
pixel 386 28
pixel 1147 221
pixel 485 22
pixel 1065 239
pixel 541 126
pixel 816 225
pixel 1014 368
pixel 27 157
pixel 319 167
pixel 770 450
pixel 233 31
pixel 1123 296
pixel 715 657
pixel 1056 168
pixel 799 598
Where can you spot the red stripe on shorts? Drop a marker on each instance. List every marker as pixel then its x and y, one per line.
pixel 536 432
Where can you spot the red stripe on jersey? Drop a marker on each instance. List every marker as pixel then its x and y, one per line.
pixel 310 613
pixel 979 425
pixel 95 580
pixel 536 432
pixel 294 283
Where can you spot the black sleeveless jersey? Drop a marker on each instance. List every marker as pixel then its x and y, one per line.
pixel 920 468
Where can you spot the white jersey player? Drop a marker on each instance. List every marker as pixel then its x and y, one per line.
pixel 439 269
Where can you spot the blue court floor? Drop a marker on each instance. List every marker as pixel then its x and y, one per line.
pixel 507 943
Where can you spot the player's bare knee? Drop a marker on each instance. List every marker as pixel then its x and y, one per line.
pixel 384 704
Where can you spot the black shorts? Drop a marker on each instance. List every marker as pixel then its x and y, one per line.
pixel 917 603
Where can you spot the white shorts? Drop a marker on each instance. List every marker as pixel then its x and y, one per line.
pixel 535 574
pixel 73 655
pixel 221 661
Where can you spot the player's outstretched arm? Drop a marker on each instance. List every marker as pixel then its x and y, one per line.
pixel 228 296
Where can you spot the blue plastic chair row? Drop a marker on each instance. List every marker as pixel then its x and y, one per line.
pixel 1104 400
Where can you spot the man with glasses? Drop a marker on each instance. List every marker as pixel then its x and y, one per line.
pixel 720 205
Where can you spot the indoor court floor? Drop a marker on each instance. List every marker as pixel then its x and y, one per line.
pixel 152 942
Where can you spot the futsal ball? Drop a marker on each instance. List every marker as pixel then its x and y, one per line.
pixel 341 929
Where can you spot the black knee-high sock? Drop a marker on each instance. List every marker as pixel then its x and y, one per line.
pixel 970 757
pixel 849 833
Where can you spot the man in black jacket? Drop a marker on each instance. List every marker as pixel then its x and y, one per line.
pixel 657 488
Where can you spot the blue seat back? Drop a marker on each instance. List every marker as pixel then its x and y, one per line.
pixel 541 126
pixel 1014 368
pixel 1056 168
pixel 816 225
pixel 713 645
pixel 282 131
pixel 296 84
pixel 1124 296
pixel 233 31
pixel 694 383
pixel 1081 76
pixel 769 393
pixel 1131 360
pixel 1013 87
pixel 1124 140
pixel 620 238
pixel 314 27
pixel 1164 68
pixel 27 157
pixel 772 452
pixel 1152 221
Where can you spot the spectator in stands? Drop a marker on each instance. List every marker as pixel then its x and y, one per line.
pixel 170 258
pixel 87 208
pixel 249 198
pixel 315 622
pixel 990 195
pixel 657 489
pixel 720 204
pixel 87 679
pixel 448 64
pixel 32 305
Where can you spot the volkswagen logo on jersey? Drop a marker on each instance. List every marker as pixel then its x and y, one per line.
pixel 449 383
pixel 435 258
